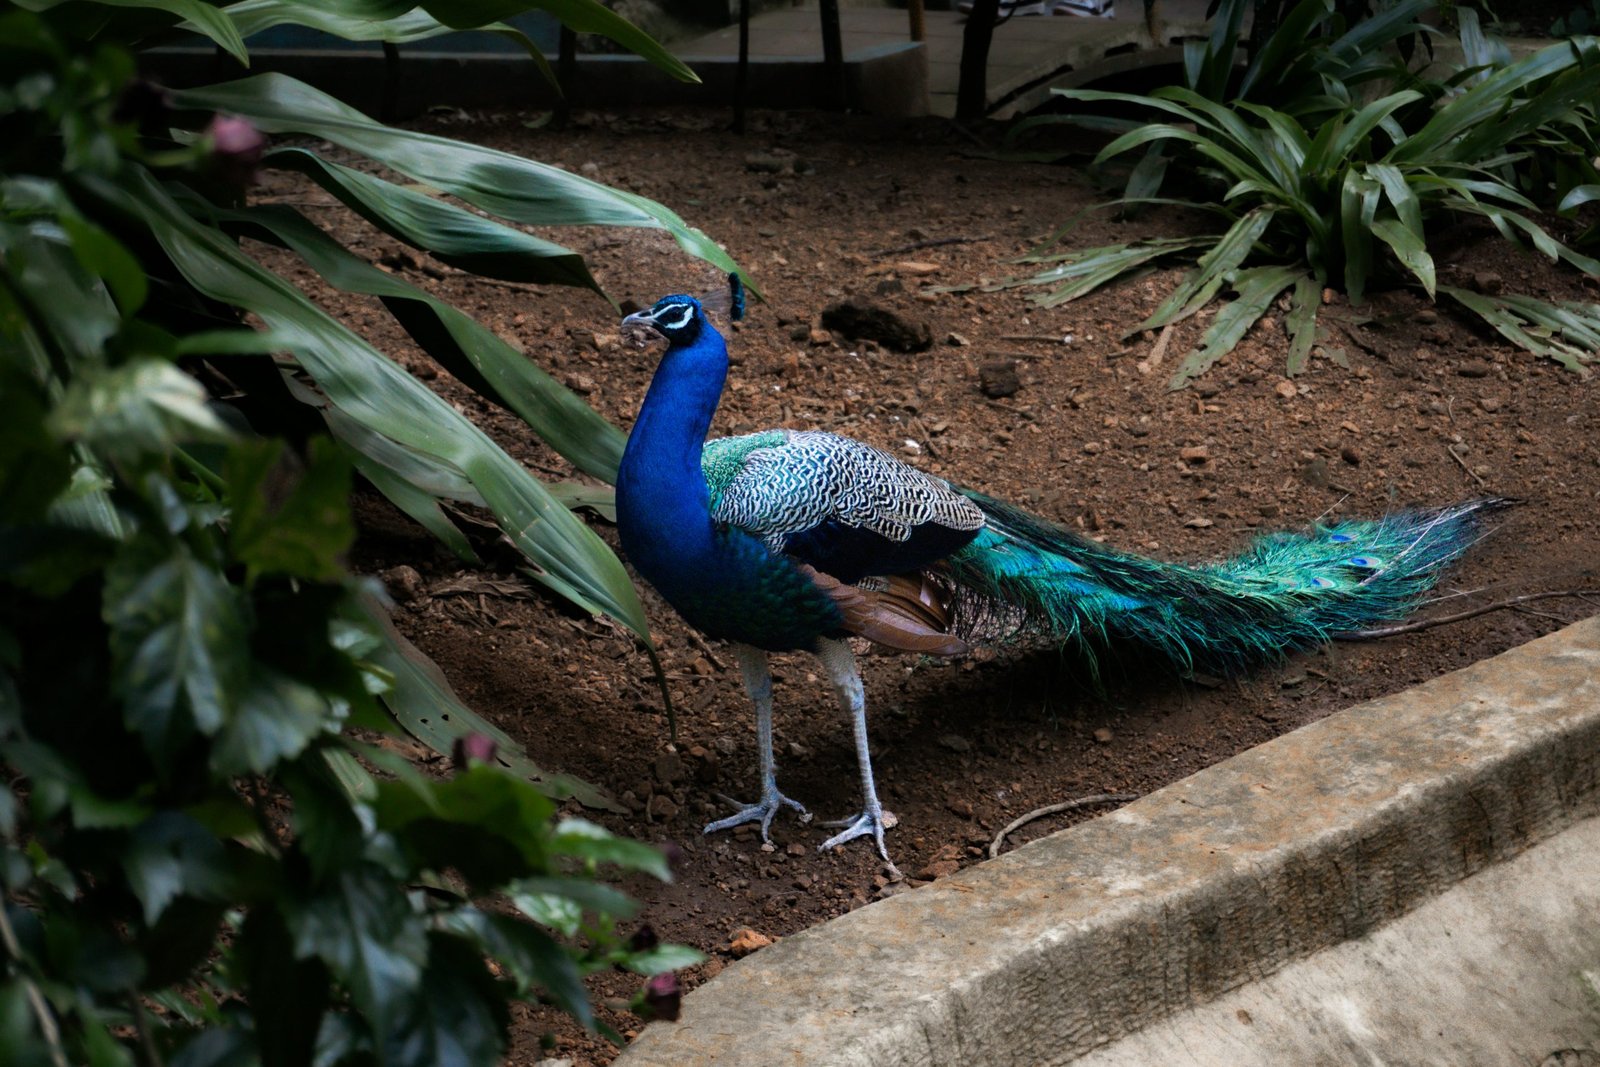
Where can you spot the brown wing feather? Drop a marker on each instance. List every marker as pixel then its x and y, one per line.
pixel 909 612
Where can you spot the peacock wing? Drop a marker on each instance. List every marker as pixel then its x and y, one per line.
pixel 844 507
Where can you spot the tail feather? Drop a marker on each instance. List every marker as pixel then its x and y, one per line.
pixel 1284 592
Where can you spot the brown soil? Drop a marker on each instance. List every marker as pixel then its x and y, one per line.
pixel 1090 440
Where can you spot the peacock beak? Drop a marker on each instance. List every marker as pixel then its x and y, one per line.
pixel 640 328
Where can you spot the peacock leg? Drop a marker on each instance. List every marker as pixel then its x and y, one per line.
pixel 758 683
pixel 873 820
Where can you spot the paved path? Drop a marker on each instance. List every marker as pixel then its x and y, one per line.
pixel 1028 54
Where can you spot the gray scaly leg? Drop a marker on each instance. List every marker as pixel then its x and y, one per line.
pixel 758 683
pixel 873 820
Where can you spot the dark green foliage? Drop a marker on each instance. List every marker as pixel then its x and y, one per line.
pixel 1331 163
pixel 200 862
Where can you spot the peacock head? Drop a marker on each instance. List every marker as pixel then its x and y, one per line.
pixel 677 318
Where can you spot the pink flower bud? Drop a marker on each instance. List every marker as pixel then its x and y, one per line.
pixel 236 147
pixel 663 996
pixel 472 748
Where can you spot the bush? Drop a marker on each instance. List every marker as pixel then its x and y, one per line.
pixel 204 858
pixel 1334 184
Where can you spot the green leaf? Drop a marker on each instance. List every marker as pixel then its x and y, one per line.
pixel 585 840
pixel 530 954
pixel 580 16
pixel 144 405
pixel 502 184
pixel 664 958
pixel 1409 249
pixel 1301 322
pixel 1257 287
pixel 485 822
pixel 276 717
pixel 1581 194
pixel 172 855
pixel 455 236
pixel 476 355
pixel 286 521
pixel 368 387
pixel 1206 280
pixel 457 1017
pixel 534 896
pixel 178 646
pixel 361 925
pixel 200 16
pixel 423 702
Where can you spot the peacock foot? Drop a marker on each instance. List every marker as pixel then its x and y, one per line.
pixel 761 811
pixel 874 821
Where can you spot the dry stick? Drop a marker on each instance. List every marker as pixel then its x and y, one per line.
pixel 937 242
pixel 1051 809
pixel 1424 624
pixel 1481 483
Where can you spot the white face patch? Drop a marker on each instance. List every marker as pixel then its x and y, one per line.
pixel 665 323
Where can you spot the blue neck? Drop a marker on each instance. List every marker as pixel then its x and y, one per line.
pixel 663 505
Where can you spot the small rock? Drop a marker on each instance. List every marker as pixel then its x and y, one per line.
pixel 1473 368
pixel 765 163
pixel 1269 511
pixel 1103 735
pixel 725 745
pixel 1195 454
pixel 1489 404
pixel 1350 455
pixel 1286 389
pixel 589 169
pixel 936 869
pixel 746 941
pixel 1487 281
pixel 1199 524
pixel 795 848
pixel 998 378
pixel 819 336
pixel 554 1063
pixel 916 268
pixel 955 743
pixel 889 286
pixel 955 340
pixel 669 768
pixel 702 667
pixel 403 583
pixel 705 762
pixel 959 806
pixel 662 807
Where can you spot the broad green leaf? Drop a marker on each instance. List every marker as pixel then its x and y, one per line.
pixel 529 953
pixel 457 1017
pixel 198 15
pixel 421 506
pixel 143 405
pixel 1301 322
pixel 585 840
pixel 404 27
pixel 1578 195
pixel 476 355
pixel 178 646
pixel 1538 326
pixel 423 702
pixel 580 16
pixel 361 925
pixel 374 391
pixel 592 898
pixel 502 184
pixel 1409 249
pixel 664 958
pixel 1210 273
pixel 458 237
pixel 287 520
pixel 1257 287
pixel 171 855
pixel 275 719
pixel 1358 204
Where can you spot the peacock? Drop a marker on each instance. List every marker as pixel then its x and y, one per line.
pixel 788 540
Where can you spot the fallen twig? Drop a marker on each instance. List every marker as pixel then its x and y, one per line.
pixel 1052 809
pixel 937 242
pixel 1481 483
pixel 1484 609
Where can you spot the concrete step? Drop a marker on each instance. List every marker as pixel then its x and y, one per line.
pixel 1363 845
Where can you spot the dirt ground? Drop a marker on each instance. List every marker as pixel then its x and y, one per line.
pixel 1433 409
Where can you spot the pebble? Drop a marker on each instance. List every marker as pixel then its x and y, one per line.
pixel 662 807
pixel 1286 389
pixel 1473 368
pixel 959 806
pixel 1103 735
pixel 669 768
pixel 1194 454
pixel 955 340
pixel 746 941
pixel 819 336
pixel 403 583
pixel 998 378
pixel 1489 404
pixel 1349 454
pixel 955 743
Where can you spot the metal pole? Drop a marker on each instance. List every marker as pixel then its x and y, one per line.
pixel 833 50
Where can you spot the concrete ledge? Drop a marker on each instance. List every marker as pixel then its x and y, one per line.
pixel 1224 878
